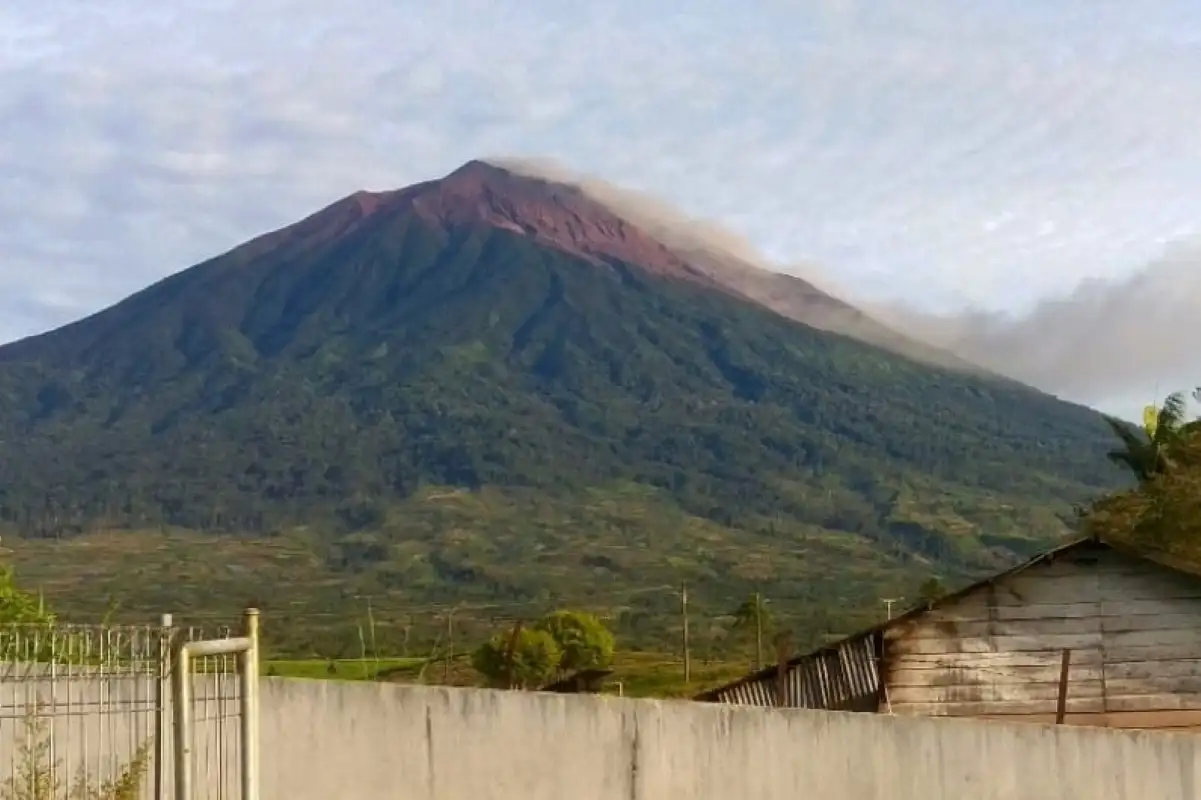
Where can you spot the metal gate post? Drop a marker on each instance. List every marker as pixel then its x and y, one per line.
pixel 161 684
pixel 246 648
pixel 249 659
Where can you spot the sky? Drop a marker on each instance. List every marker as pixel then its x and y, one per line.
pixel 1020 179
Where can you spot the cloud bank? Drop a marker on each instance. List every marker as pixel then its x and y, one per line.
pixel 1133 340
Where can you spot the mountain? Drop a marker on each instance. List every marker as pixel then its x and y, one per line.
pixel 495 387
pixel 711 253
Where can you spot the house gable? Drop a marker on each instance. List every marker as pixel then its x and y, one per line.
pixel 1131 627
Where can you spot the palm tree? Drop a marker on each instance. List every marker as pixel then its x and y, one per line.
pixel 752 616
pixel 1148 452
pixel 752 613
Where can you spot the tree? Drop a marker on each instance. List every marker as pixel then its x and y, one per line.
pixel 932 590
pixel 584 641
pixel 536 656
pixel 18 606
pixel 1164 511
pixel 752 615
pixel 753 618
pixel 1151 450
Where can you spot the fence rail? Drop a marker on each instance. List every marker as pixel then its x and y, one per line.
pixel 86 712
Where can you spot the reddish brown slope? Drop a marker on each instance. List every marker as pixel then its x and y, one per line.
pixel 566 217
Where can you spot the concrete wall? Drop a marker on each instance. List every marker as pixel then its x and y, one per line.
pixel 325 740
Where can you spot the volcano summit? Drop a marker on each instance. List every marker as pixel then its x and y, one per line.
pixel 499 334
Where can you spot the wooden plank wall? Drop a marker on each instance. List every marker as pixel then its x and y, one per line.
pixel 1133 629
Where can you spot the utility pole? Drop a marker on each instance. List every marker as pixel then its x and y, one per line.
pixel 450 645
pixel 684 615
pixel 758 630
pixel 888 601
pixel 783 645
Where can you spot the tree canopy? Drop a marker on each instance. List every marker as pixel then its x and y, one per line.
pixel 753 614
pixel 535 657
pixel 1164 510
pixel 1152 450
pixel 584 641
pixel 19 607
pixel 932 590
pixel 562 642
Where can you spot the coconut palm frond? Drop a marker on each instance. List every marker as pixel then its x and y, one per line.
pixel 1141 467
pixel 1123 460
pixel 1193 426
pixel 1124 430
pixel 1138 452
pixel 1154 448
pixel 1171 415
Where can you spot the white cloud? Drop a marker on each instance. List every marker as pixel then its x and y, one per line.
pixel 1130 341
pixel 988 154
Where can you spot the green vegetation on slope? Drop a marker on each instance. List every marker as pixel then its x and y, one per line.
pixel 428 417
pixel 494 555
pixel 1163 512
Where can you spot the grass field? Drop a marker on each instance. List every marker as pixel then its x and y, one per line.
pixel 315 607
pixel 634 674
pixel 318 623
pixel 345 669
pixel 656 675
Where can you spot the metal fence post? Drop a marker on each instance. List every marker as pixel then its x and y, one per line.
pixel 250 707
pixel 181 718
pixel 160 702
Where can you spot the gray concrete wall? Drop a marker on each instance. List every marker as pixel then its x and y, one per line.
pixel 323 740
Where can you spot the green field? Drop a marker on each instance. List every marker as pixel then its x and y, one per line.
pixel 633 551
pixel 346 669
pixel 634 674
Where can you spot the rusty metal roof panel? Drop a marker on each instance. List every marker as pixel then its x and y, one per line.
pixel 833 679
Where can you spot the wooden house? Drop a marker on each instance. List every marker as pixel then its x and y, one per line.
pixel 1091 633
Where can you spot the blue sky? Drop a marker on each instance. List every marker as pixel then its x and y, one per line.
pixel 975 160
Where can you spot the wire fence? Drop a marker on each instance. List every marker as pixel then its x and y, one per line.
pixel 717 634
pixel 86 713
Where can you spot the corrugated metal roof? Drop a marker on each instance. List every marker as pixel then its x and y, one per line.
pixel 841 677
pixel 844 673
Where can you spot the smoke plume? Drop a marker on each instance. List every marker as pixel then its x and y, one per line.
pixel 1133 337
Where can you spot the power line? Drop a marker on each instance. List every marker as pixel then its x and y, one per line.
pixel 441 608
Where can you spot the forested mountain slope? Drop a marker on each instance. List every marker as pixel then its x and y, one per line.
pixel 488 335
